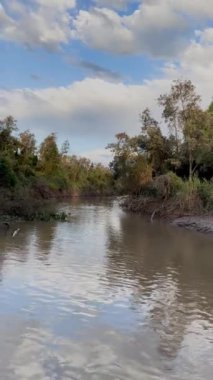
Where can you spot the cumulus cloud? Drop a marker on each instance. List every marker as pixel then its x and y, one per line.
pixel 37 23
pixel 197 8
pixel 103 29
pixel 157 27
pixel 91 107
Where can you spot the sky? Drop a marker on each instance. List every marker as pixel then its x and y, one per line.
pixel 86 69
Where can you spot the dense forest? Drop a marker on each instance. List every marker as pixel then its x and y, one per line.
pixel 169 173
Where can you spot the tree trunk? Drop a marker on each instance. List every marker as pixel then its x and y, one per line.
pixel 176 138
pixel 190 166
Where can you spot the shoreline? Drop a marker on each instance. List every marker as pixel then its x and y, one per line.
pixel 194 220
pixel 203 224
pixel 200 221
pixel 40 208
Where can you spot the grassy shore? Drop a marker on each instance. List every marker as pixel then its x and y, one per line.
pixel 170 197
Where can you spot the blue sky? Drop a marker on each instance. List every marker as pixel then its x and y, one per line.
pixel 85 69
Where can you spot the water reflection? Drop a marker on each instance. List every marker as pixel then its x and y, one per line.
pixel 108 296
pixel 170 272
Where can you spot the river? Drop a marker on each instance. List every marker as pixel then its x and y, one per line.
pixel 106 296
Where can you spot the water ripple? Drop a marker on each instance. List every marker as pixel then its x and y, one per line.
pixel 108 296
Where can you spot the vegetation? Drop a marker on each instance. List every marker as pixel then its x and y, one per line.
pixel 163 173
pixel 168 174
pixel 30 174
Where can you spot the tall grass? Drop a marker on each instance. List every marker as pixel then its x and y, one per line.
pixel 194 196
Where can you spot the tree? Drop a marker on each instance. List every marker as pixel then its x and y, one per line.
pixel 181 110
pixel 130 166
pixel 125 150
pixel 65 148
pixel 49 157
pixel 152 142
pixel 8 143
pixel 27 148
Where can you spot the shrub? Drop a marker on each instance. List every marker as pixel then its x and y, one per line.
pixel 205 191
pixel 188 198
pixel 168 185
pixel 7 175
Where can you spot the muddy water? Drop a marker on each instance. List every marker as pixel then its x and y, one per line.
pixel 107 296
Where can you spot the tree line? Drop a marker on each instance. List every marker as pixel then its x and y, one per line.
pixel 46 169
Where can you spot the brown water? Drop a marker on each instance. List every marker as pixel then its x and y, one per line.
pixel 108 296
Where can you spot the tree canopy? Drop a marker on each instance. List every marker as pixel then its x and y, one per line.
pixel 186 150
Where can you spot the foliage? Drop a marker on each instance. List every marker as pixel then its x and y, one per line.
pixel 168 185
pixel 205 191
pixel 45 171
pixel 7 175
pixel 178 165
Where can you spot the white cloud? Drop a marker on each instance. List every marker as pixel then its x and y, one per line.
pixel 99 155
pixel 5 21
pixel 103 29
pixel 196 8
pixel 157 27
pixel 89 113
pixel 57 4
pixel 39 23
pixel 91 107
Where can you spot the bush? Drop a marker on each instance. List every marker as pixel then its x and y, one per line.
pixel 188 197
pixel 7 175
pixel 205 191
pixel 168 185
pixel 58 182
pixel 149 190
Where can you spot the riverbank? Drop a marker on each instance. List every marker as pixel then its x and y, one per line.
pixel 160 208
pixel 203 224
pixel 27 204
pixel 192 218
pixel 39 204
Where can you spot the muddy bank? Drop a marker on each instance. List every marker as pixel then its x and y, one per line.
pixel 202 224
pixel 157 208
pixel 172 213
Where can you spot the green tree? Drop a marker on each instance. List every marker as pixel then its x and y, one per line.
pixel 181 110
pixel 49 156
pixel 65 148
pixel 27 151
pixel 8 143
pixel 152 142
